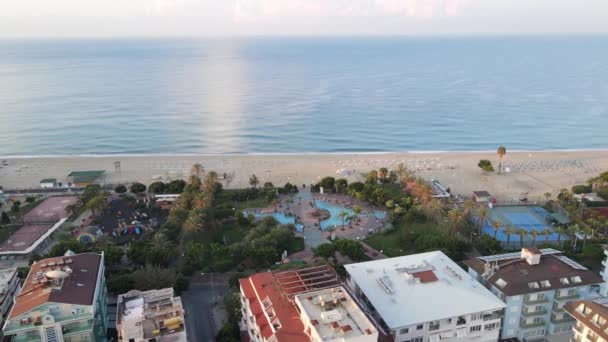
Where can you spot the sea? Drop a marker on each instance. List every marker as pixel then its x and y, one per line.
pixel 305 94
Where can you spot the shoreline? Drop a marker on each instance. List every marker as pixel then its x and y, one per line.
pixel 312 153
pixel 530 172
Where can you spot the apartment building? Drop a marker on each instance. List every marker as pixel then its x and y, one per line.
pixel 591 320
pixel 426 298
pixel 150 316
pixel 302 305
pixel 535 284
pixel 9 287
pixel 63 299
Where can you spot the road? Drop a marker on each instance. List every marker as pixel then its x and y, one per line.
pixel 200 304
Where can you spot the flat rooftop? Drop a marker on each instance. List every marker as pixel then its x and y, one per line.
pixel 150 314
pixel 513 275
pixel 334 314
pixel 6 276
pixel 419 288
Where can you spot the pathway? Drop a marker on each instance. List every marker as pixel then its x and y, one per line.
pixel 313 237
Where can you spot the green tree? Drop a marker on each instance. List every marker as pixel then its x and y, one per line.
pixel 328 184
pixel 372 177
pixel 522 233
pixel 5 218
pixel 509 230
pixel 343 215
pixel 120 189
pixel 197 171
pixel 89 192
pixel 485 165
pixel 137 188
pixel 175 186
pixel 483 214
pixel 96 203
pixel 16 206
pixel 325 250
pixel 341 185
pixel 560 231
pixel 156 188
pixel 454 220
pixel 254 181
pixel 153 277
pixel 501 151
pixel 547 196
pixel 534 234
pixel 495 226
pixel 357 209
pixel 383 174
pixel 547 232
pixel 30 199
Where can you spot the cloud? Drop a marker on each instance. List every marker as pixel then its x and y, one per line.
pixel 254 10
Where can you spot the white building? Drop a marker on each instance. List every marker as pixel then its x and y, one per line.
pixel 9 286
pixel 426 297
pixel 535 284
pixel 591 320
pixel 155 315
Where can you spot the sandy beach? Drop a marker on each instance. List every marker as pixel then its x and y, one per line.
pixel 531 172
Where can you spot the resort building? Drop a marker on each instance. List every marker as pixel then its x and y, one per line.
pixel 155 315
pixel 63 299
pixel 535 284
pixel 9 286
pixel 426 298
pixel 302 305
pixel 591 320
pixel 48 183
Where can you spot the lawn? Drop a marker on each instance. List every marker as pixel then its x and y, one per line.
pixel 225 198
pixel 392 243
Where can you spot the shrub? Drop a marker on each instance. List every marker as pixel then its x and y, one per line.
pixel 137 188
pixel 581 189
pixel 5 218
pixel 120 189
pixel 30 199
pixel 16 206
pixel 485 165
pixel 156 188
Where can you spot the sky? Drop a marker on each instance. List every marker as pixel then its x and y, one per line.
pixel 159 18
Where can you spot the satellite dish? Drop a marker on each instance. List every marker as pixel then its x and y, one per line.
pixel 56 274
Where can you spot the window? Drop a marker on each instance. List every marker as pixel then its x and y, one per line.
pixel 419 327
pixel 476 317
pixel 491 326
pixel 533 285
pixel 418 339
pixel 576 279
pixel 434 325
pixel 461 320
pixel 564 281
pixel 404 331
pixel 475 328
pixel 545 283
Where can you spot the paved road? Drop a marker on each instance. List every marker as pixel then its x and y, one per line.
pixel 200 303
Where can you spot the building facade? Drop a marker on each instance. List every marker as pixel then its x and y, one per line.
pixel 535 284
pixel 9 287
pixel 301 306
pixel 150 316
pixel 591 320
pixel 426 298
pixel 63 299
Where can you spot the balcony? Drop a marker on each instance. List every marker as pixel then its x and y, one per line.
pixel 579 328
pixel 557 308
pixel 77 329
pixel 532 313
pixel 527 325
pixel 537 300
pixel 564 319
pixel 28 338
pixel 492 316
pixel 566 297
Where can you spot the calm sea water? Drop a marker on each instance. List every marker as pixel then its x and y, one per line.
pixel 302 95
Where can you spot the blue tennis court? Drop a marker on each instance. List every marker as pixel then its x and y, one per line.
pixel 527 217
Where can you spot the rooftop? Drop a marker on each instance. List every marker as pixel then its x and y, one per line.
pixel 66 279
pixel 85 176
pixel 481 193
pixel 150 314
pixel 271 294
pixel 334 314
pixel 420 288
pixel 49 180
pixel 514 275
pixel 591 313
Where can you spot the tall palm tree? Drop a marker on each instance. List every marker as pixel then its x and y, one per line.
pixel 495 226
pixel 467 207
pixel 343 215
pixel 559 230
pixel 547 196
pixel 483 214
pixel 547 232
pixel 522 233
pixel 197 170
pixel 455 219
pixel 534 234
pixel 509 230
pixel 501 151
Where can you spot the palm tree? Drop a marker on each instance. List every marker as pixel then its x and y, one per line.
pixel 495 226
pixel 509 230
pixel 522 233
pixel 547 232
pixel 483 213
pixel 454 218
pixel 357 209
pixel 197 170
pixel 253 181
pixel 559 230
pixel 534 234
pixel 343 215
pixel 547 196
pixel 501 151
pixel 382 174
pixel 467 207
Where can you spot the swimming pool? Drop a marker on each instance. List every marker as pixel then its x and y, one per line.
pixel 281 218
pixel 334 219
